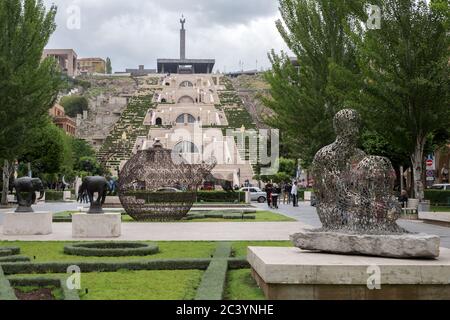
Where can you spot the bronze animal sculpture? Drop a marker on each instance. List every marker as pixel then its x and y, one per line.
pixel 92 185
pixel 26 189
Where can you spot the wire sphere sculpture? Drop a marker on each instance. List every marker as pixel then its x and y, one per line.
pixel 158 184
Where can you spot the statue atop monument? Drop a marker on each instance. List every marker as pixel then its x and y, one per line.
pixel 182 21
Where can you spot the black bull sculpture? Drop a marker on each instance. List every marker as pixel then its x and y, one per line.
pixel 90 186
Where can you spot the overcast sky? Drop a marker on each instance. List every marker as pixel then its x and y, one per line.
pixel 133 32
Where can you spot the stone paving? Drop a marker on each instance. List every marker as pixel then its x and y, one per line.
pixel 195 231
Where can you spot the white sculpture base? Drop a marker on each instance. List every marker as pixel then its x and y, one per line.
pixel 294 274
pixel 105 225
pixel 27 223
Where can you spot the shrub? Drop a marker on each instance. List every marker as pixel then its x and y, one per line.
pixel 438 197
pixel 54 195
pixel 220 196
pixel 74 105
pixel 213 280
pixel 111 249
pixel 43 282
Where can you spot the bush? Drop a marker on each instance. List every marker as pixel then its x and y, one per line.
pixel 220 196
pixel 61 267
pixel 54 195
pixel 111 249
pixel 438 197
pixel 74 105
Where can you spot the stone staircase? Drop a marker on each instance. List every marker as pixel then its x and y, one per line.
pixel 119 144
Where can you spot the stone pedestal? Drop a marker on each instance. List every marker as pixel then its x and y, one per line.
pixel 27 223
pixel 391 246
pixel 105 225
pixel 293 274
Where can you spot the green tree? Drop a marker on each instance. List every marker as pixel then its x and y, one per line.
pixel 403 88
pixel 74 105
pixel 315 31
pixel 108 66
pixel 89 166
pixel 48 150
pixel 28 86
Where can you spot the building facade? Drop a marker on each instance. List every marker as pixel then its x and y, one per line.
pixel 63 121
pixel 91 65
pixel 66 59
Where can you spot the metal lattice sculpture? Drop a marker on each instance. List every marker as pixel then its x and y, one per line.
pixel 157 184
pixel 354 191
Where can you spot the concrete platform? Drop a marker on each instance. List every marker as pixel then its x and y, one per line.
pixel 293 274
pixel 105 225
pixel 27 223
pixel 442 218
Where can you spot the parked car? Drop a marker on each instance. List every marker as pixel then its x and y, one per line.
pixel 441 186
pixel 256 194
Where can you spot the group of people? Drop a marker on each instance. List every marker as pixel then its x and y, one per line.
pixel 289 191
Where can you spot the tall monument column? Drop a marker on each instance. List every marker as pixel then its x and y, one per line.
pixel 182 39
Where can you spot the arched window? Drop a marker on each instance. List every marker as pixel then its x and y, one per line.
pixel 158 122
pixel 186 84
pixel 185 147
pixel 186 99
pixel 185 118
pixel 163 100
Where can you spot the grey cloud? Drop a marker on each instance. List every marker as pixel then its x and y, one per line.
pixel 135 32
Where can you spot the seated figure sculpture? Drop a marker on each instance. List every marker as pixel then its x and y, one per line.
pixel 356 204
pixel 332 169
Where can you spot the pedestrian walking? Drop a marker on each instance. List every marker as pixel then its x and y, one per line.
pixel 269 190
pixel 294 193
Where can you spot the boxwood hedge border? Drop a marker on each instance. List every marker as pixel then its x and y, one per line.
pixel 111 249
pixel 212 285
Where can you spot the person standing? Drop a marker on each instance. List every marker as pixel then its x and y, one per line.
pixel 269 190
pixel 294 193
pixel 287 193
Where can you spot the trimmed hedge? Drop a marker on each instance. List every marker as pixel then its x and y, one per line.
pixel 9 251
pixel 14 259
pixel 54 195
pixel 213 281
pixel 61 267
pixel 111 249
pixel 6 292
pixel 43 282
pixel 438 197
pixel 220 196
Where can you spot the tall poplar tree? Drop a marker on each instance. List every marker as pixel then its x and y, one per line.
pixel 28 84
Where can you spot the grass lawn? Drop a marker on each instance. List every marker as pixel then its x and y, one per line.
pixel 440 209
pixel 241 286
pixel 53 251
pixel 150 285
pixel 141 285
pixel 261 216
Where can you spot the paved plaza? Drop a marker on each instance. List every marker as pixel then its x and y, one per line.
pixel 212 231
